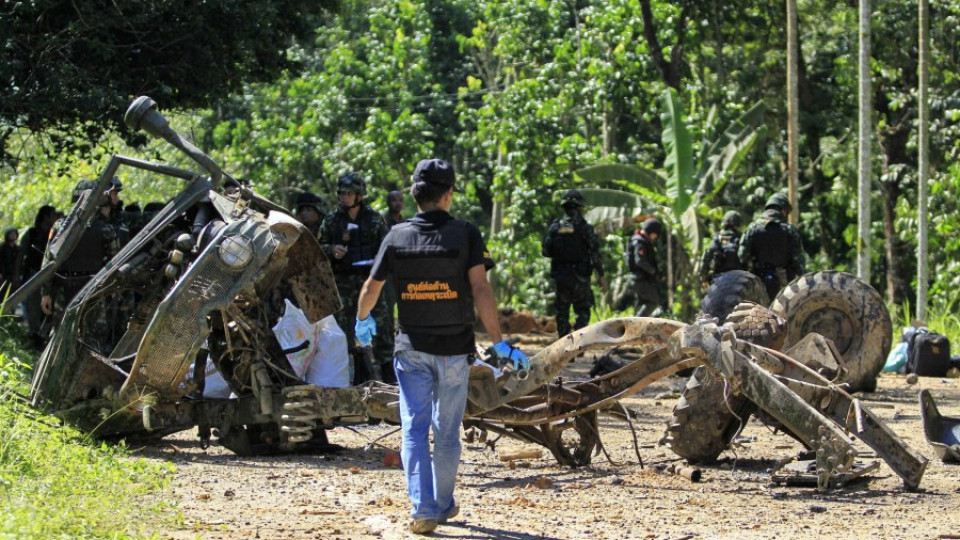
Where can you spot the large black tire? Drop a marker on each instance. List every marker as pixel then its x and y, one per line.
pixel 845 309
pixel 729 289
pixel 703 425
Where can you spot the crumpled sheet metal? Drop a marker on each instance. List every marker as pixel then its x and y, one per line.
pixel 942 432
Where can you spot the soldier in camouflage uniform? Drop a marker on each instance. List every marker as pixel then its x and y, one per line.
pixel 98 244
pixel 351 237
pixel 771 248
pixel 393 216
pixel 574 252
pixel 722 255
pixel 309 210
pixel 642 261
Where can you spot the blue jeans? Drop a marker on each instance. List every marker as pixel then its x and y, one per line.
pixel 433 391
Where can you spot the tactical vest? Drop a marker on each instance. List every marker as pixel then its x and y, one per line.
pixel 358 247
pixel 725 256
pixel 771 245
pixel 568 243
pixel 430 274
pixel 94 247
pixel 636 241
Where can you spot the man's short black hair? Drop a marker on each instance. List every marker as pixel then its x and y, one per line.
pixel 428 192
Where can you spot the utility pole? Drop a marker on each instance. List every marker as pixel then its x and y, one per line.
pixel 863 157
pixel 923 142
pixel 793 102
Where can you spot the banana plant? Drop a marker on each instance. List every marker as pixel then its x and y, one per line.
pixel 682 187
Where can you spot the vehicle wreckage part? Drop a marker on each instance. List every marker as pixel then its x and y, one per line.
pixel 709 414
pixel 706 418
pixel 142 114
pixel 490 393
pixel 848 311
pixel 67 373
pixel 812 411
pixel 765 391
pixel 942 432
pixel 730 289
pixel 179 327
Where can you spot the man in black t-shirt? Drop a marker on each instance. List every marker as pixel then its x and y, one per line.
pixel 437 266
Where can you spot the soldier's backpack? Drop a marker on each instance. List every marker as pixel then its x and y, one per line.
pixel 725 253
pixel 928 354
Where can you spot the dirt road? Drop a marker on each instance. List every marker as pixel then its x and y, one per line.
pixel 353 495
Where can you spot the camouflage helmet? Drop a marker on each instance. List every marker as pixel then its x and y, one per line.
pixel 81 186
pixel 778 201
pixel 571 197
pixel 352 182
pixel 652 226
pixel 309 199
pixel 732 220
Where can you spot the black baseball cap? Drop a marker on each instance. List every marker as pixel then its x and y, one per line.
pixel 435 171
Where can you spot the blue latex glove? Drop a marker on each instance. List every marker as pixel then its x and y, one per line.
pixel 365 329
pixel 507 351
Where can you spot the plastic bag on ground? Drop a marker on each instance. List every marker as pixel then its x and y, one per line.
pixel 897 359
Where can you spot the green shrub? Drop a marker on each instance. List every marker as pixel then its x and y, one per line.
pixel 57 483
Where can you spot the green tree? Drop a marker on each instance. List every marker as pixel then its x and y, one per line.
pixel 71 68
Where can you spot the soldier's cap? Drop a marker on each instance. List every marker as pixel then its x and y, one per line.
pixel 435 171
pixel 116 184
pixel 231 182
pixel 308 199
pixel 9 230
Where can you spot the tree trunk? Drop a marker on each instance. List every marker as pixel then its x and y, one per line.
pixel 896 288
pixel 669 69
pixel 793 135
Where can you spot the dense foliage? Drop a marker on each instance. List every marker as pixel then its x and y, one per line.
pixel 71 68
pixel 520 94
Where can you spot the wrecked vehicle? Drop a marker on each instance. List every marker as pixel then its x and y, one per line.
pixel 212 288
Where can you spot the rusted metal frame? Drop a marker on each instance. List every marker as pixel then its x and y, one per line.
pixel 650 368
pixel 528 434
pixel 767 392
pixel 842 408
pixel 549 362
pixel 835 403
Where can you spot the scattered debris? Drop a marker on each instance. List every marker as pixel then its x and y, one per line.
pixel 942 432
pixel 803 473
pixel 525 453
pixel 392 458
pixel 691 473
pixel 543 482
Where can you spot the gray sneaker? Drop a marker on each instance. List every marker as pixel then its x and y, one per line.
pixel 423 525
pixel 454 512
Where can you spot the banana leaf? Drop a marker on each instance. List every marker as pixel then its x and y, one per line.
pixel 679 149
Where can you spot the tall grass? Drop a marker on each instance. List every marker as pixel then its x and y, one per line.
pixel 943 316
pixel 57 483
